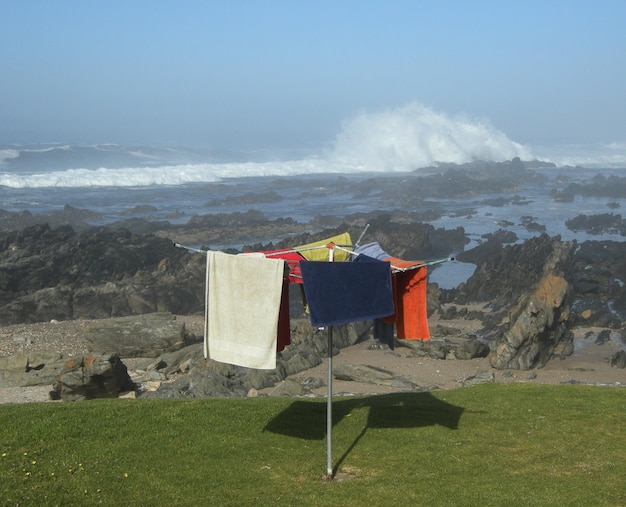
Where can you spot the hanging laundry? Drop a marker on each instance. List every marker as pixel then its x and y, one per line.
pixel 283 334
pixel 311 253
pixel 409 288
pixel 343 292
pixel 243 299
pixel 293 262
pixel 373 250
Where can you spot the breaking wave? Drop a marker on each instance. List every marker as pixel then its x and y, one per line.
pixel 415 136
pixel 393 140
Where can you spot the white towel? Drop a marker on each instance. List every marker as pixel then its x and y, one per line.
pixel 242 306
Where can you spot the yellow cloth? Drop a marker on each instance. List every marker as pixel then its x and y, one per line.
pixel 243 294
pixel 321 254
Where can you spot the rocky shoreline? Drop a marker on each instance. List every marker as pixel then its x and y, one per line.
pixel 528 306
pixel 589 364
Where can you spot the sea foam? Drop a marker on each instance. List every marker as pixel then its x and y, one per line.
pixel 389 141
pixel 415 136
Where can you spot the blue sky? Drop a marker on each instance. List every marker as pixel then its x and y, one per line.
pixel 286 74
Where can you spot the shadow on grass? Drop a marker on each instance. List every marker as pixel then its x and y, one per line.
pixel 307 419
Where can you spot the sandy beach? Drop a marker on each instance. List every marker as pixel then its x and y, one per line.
pixel 587 365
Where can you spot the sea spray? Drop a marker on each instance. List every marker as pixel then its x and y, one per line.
pixel 415 136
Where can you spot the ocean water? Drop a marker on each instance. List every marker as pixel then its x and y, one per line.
pixel 173 183
pixel 121 182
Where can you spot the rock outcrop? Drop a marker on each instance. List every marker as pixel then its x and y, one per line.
pixel 30 368
pixel 92 376
pixel 531 293
pixel 528 292
pixel 598 277
pixel 105 272
pixel 372 375
pixel 461 346
pixel 59 274
pixel 212 379
pixel 538 329
pixel 149 335
pixel 618 360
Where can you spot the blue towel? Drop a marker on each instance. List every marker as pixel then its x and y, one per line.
pixel 373 250
pixel 343 292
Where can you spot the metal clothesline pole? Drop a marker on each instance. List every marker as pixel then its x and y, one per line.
pixel 329 401
pixel 329 408
pixel 358 241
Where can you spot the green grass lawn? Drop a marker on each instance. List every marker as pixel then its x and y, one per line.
pixel 494 444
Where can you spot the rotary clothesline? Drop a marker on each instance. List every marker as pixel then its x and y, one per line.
pixel 344 248
pixel 330 307
pixel 374 299
pixel 407 319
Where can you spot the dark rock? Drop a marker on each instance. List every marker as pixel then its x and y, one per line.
pixel 526 285
pixel 288 388
pixel 596 312
pixel 454 345
pixel 178 388
pixel 488 249
pixel 30 368
pixel 60 274
pixel 467 179
pixel 371 375
pixel 207 378
pixel 598 276
pixel 515 271
pixel 598 224
pixel 471 349
pixel 77 218
pixel 600 186
pixel 618 360
pixel 538 328
pixel 311 383
pixel 452 312
pixel 148 335
pixel 481 377
pixel 179 361
pixel 434 348
pixel 92 376
pixel 604 336
pixel 565 347
pixel 102 272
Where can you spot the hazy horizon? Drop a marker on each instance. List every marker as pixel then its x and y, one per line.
pixel 291 75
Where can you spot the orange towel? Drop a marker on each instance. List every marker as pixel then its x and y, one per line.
pixel 409 287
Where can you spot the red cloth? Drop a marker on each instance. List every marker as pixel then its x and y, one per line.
pixel 283 336
pixel 293 261
pixel 409 288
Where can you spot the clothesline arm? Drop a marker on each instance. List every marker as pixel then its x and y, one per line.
pixel 423 264
pixel 358 241
pixel 191 248
pixel 344 248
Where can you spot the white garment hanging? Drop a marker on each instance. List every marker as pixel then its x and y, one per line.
pixel 242 306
